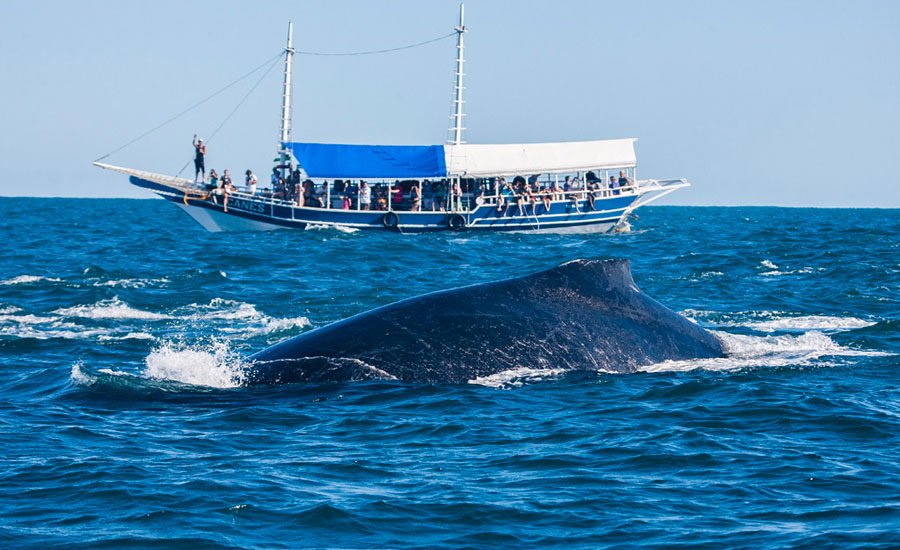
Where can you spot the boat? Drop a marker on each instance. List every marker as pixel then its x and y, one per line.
pixel 576 186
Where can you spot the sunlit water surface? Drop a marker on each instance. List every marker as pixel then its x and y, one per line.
pixel 123 420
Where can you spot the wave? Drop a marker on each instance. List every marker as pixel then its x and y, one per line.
pixel 110 309
pixel 320 226
pixel 774 271
pixel 517 377
pixel 237 319
pixel 132 283
pixel 825 323
pixel 776 321
pixel 173 366
pixel 129 336
pixel 766 351
pixel 28 279
pixel 214 366
pixel 256 322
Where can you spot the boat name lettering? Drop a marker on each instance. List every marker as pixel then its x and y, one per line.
pixel 249 206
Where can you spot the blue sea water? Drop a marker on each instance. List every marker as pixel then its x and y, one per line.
pixel 123 422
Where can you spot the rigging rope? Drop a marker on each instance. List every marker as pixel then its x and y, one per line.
pixel 238 106
pixel 246 75
pixel 373 52
pixel 189 109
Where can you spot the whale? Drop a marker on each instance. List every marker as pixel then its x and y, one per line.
pixel 582 315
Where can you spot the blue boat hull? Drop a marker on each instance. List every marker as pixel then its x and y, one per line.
pixel 261 213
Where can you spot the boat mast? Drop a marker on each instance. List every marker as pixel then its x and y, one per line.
pixel 458 95
pixel 286 100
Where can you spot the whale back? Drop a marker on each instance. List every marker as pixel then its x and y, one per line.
pixel 581 315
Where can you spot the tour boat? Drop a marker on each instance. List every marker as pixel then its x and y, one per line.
pixel 576 186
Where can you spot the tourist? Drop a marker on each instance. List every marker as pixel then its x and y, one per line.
pixel 250 182
pixel 427 196
pixel 415 196
pixel 624 181
pixel 199 158
pixel 381 198
pixel 213 183
pixel 440 195
pixel 555 190
pixel 227 187
pixel 365 196
pixel 520 198
pixel 397 198
pixel 545 198
pixel 456 196
pixel 275 179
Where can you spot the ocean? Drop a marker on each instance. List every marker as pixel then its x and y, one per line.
pixel 123 422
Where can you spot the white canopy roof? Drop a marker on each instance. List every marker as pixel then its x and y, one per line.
pixel 477 160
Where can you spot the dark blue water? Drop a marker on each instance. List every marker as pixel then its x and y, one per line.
pixel 123 423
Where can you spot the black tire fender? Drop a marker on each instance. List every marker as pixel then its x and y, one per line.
pixel 456 222
pixel 390 220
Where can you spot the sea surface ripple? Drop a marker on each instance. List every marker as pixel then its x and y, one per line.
pixel 123 421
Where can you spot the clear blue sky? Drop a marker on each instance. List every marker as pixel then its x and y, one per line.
pixel 763 102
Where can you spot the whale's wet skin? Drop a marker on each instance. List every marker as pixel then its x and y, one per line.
pixel 582 315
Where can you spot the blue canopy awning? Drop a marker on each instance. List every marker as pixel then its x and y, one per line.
pixel 334 160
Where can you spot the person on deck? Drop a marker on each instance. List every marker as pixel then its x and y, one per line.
pixel 415 196
pixel 624 181
pixel 397 198
pixel 456 196
pixel 199 158
pixel 250 182
pixel 365 196
pixel 440 195
pixel 212 185
pixel 275 179
pixel 555 190
pixel 227 187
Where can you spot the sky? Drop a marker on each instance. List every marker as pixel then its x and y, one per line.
pixel 764 102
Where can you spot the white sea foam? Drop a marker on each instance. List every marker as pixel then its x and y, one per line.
pixel 27 279
pixel 129 336
pixel 215 366
pixel 254 322
pixel 320 226
pixel 79 377
pixel 516 377
pixel 765 351
pixel 51 329
pixel 768 264
pixel 776 321
pixel 824 323
pixel 28 319
pixel 132 283
pixel 110 309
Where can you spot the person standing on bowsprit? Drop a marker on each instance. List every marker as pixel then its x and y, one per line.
pixel 199 158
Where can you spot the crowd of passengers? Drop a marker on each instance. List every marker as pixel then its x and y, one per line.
pixel 519 196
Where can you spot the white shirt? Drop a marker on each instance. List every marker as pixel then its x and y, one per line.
pixel 251 184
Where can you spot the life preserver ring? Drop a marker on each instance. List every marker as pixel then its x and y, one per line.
pixel 390 220
pixel 456 222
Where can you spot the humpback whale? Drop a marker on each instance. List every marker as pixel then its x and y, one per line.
pixel 580 315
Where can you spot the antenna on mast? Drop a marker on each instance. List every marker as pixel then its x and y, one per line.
pixel 456 128
pixel 286 102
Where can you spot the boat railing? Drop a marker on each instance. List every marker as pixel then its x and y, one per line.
pixel 469 201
